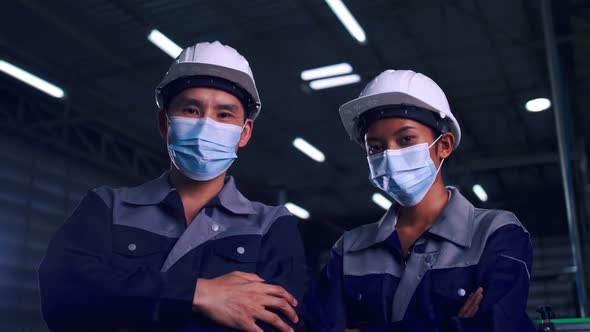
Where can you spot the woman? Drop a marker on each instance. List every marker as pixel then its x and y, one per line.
pixel 434 262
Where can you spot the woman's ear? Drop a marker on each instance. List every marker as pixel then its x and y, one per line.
pixel 163 124
pixel 445 145
pixel 246 133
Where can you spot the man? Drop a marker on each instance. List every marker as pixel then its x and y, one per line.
pixel 186 251
pixel 433 262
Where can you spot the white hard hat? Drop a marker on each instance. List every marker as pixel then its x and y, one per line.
pixel 398 87
pixel 213 60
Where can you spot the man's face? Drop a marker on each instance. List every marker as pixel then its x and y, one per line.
pixel 399 133
pixel 215 104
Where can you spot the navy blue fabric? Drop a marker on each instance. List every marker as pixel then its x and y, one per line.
pixel 336 301
pixel 90 279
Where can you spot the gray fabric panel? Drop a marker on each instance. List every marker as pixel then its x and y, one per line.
pixel 150 218
pixel 367 235
pixel 221 225
pixel 418 264
pixel 370 261
pixel 339 246
pixel 486 223
pixel 106 194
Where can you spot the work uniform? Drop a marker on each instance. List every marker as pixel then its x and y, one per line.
pixel 369 283
pixel 126 258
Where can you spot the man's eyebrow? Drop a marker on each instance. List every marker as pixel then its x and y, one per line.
pixel 183 101
pixel 227 107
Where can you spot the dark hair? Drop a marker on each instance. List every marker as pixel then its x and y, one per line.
pixel 177 86
pixel 427 117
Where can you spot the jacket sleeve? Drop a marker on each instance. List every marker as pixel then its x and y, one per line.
pixel 82 290
pixel 324 307
pixel 504 274
pixel 283 262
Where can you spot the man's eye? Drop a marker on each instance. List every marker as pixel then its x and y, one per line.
pixel 225 115
pixel 375 149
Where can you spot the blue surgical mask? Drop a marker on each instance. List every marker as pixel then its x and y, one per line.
pixel 202 148
pixel 405 174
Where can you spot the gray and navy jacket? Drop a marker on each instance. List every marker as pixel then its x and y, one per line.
pixel 126 259
pixel 369 283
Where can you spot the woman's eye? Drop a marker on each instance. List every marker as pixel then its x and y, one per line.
pixel 190 111
pixel 406 140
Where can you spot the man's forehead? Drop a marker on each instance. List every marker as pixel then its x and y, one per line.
pixel 206 93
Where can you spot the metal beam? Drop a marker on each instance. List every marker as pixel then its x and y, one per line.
pixel 557 91
pixel 487 27
pixel 85 39
pixel 492 164
pixel 93 144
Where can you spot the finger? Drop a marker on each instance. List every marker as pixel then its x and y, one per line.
pixel 283 306
pixel 472 311
pixel 248 276
pixel 471 306
pixel 476 302
pixel 479 296
pixel 273 319
pixel 466 305
pixel 252 327
pixel 279 291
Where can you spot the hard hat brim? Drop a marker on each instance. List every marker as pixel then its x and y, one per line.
pixel 187 69
pixel 350 111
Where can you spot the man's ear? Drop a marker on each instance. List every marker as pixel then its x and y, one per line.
pixel 246 133
pixel 445 145
pixel 163 124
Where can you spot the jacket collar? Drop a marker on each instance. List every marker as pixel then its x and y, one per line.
pixel 155 191
pixel 454 224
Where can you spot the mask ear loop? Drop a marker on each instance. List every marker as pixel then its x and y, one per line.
pixel 171 152
pixel 443 159
pixel 436 140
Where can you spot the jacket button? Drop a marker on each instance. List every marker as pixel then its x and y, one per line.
pixel 215 227
pixel 241 250
pixel 461 292
pixel 131 247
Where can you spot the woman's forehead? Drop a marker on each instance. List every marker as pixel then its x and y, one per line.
pixel 392 125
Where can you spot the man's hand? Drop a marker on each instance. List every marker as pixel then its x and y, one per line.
pixel 239 299
pixel 471 306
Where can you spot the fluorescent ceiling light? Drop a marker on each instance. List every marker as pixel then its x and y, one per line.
pixel 331 82
pixel 310 150
pixel 31 79
pixel 327 71
pixel 480 192
pixel 347 20
pixel 164 43
pixel 297 210
pixel 538 104
pixel 382 201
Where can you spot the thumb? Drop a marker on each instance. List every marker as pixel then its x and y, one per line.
pixel 249 276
